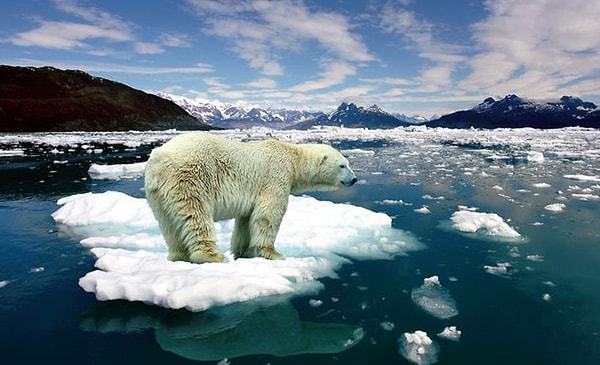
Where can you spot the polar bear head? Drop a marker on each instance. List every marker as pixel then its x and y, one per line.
pixel 332 169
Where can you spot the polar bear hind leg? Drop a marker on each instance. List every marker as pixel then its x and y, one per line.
pixel 240 239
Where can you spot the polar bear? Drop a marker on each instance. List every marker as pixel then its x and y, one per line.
pixel 197 178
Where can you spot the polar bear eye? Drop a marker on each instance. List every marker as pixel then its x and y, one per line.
pixel 342 166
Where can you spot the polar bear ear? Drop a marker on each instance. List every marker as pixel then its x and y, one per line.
pixel 324 158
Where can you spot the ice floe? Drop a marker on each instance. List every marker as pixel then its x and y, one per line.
pixel 116 172
pixel 450 333
pixel 316 236
pixel 487 224
pixel 502 269
pixel 580 177
pixel 555 207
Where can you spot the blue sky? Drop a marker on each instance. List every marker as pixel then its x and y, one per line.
pixel 411 56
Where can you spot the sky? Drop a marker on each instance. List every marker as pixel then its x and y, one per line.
pixel 416 57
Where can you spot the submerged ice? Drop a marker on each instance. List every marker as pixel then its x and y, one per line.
pixel 434 299
pixel 316 236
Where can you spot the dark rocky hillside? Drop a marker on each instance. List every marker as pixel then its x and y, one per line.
pixel 48 99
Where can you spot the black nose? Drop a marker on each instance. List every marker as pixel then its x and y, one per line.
pixel 353 181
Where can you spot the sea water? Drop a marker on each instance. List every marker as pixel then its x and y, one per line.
pixel 502 267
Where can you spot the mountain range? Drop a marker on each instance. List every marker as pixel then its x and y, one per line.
pixel 48 99
pixel 515 112
pixel 510 111
pixel 240 115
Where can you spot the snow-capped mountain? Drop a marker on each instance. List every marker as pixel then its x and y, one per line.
pixel 229 116
pixel 350 115
pixel 515 112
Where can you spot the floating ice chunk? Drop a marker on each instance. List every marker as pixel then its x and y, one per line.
pixel 547 297
pixel 497 188
pixel 535 156
pixel 116 172
pixel 387 325
pixel 37 269
pixel 450 333
pixel 430 197
pixel 541 185
pixel 583 178
pixel 423 210
pixel 3 283
pixel 586 197
pixel 432 280
pixel 358 151
pixel 391 202
pixel 434 299
pixel 418 348
pixel 555 207
pixel 501 269
pixel 315 303
pixel 490 224
pixel 132 263
pixel 12 153
pixel 536 258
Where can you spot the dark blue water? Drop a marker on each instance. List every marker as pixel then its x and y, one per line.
pixel 45 317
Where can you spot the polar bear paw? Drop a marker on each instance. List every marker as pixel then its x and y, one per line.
pixel 204 256
pixel 269 253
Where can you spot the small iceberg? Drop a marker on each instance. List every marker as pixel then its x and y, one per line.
pixel 418 348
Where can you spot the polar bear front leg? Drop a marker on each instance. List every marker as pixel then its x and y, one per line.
pixel 264 226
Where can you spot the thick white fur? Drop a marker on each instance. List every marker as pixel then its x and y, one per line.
pixel 198 178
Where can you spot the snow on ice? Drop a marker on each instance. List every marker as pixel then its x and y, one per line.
pixel 487 224
pixel 450 333
pixel 418 348
pixel 131 255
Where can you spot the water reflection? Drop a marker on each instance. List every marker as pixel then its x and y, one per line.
pixel 268 326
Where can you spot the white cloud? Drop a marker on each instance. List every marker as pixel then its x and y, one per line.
pixel 174 39
pixel 265 32
pixel 442 59
pixel 535 48
pixel 263 83
pixel 93 15
pixel 95 24
pixel 66 35
pixel 334 73
pixel 92 67
pixel 147 48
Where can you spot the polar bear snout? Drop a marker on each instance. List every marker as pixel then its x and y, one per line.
pixel 349 182
pixel 349 178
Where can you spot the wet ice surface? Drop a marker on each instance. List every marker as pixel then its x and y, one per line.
pixel 544 185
